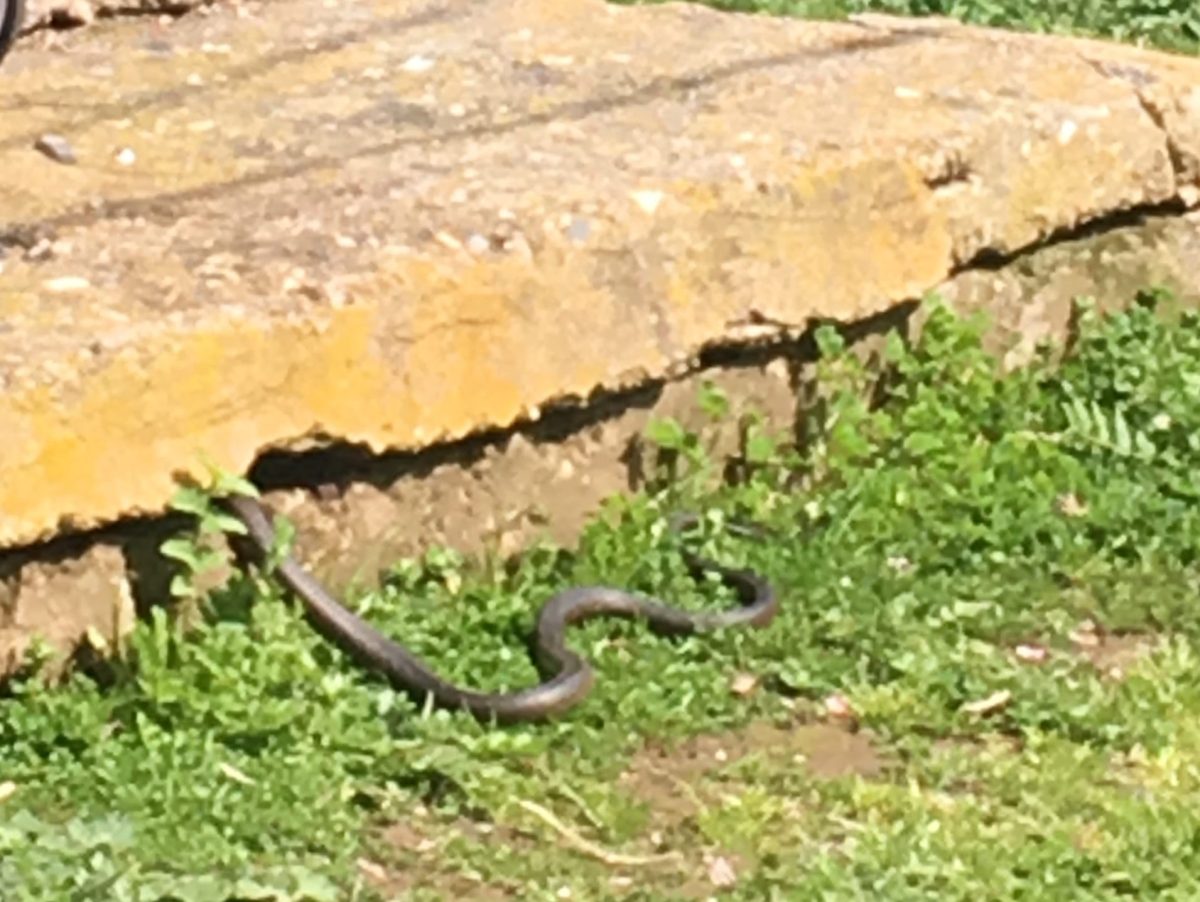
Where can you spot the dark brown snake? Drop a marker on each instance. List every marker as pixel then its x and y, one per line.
pixel 568 677
pixel 12 17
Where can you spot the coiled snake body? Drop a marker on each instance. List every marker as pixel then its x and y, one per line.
pixel 568 676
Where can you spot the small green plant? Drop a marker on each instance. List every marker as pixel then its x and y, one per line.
pixel 684 460
pixel 198 552
pixel 837 429
pixel 195 552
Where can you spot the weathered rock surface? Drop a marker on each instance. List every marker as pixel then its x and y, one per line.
pixel 59 599
pixel 504 493
pixel 1029 300
pixel 402 222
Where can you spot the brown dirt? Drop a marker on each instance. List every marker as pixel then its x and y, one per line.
pixel 1115 653
pixel 669 780
pixel 1111 653
pixel 413 850
pixel 673 782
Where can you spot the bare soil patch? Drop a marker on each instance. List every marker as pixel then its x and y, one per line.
pixel 668 779
pixel 1114 653
pixel 414 852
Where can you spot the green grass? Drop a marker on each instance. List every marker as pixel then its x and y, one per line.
pixel 921 543
pixel 1167 24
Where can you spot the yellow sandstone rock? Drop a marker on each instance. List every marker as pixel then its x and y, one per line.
pixel 394 222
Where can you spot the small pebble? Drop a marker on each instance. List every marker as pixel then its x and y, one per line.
pixel 41 250
pixel 1030 653
pixel 417 64
pixel 66 284
pixel 647 200
pixel 721 873
pixel 579 230
pixel 743 684
pixel 838 706
pixel 57 148
pixel 79 12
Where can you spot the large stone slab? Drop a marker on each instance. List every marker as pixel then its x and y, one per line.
pixel 398 222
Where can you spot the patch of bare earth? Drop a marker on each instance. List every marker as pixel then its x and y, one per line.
pixel 414 848
pixel 1111 653
pixel 677 783
pixel 668 779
